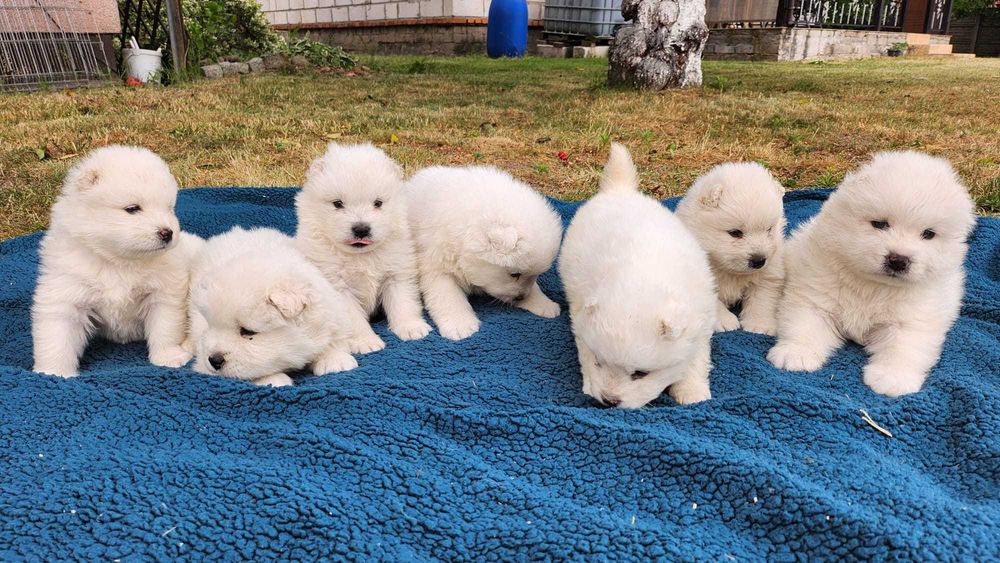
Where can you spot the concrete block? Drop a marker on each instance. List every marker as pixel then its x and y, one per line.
pixel 339 15
pixel 212 71
pixel 279 18
pixel 431 8
pixel 276 61
pixel 471 9
pixel 243 68
pixel 342 2
pixel 310 4
pixel 281 5
pixel 391 11
pixel 356 13
pixel 296 4
pixel 308 16
pixel 408 10
pixel 744 48
pixel 229 69
pixel 294 17
pixel 327 3
pixel 551 51
pixel 375 12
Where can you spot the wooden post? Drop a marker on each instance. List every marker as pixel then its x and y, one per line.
pixel 178 40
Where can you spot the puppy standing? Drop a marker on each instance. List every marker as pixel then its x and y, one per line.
pixel 882 265
pixel 113 263
pixel 353 226
pixel 641 296
pixel 259 308
pixel 736 212
pixel 478 230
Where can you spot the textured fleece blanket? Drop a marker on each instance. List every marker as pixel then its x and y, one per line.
pixel 487 449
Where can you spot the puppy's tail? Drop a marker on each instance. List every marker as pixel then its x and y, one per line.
pixel 619 173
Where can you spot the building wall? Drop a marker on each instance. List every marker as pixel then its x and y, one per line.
pixel 794 44
pixel 414 39
pixel 80 16
pixel 316 13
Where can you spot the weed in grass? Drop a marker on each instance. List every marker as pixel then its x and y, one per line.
pixel 646 135
pixel 420 66
pixel 990 202
pixel 828 179
pixel 722 84
pixel 541 167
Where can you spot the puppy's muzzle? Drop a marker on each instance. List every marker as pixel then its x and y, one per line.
pixel 610 400
pixel 217 361
pixel 896 263
pixel 361 230
pixel 757 261
pixel 165 235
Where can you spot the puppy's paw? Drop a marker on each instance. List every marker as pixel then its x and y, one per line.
pixel 892 382
pixel 690 390
pixel 760 325
pixel 334 361
pixel 59 370
pixel 457 329
pixel 366 344
pixel 794 357
pixel 547 309
pixel 726 321
pixel 411 330
pixel 276 380
pixel 170 356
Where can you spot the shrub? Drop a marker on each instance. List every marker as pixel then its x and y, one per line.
pixel 316 52
pixel 217 28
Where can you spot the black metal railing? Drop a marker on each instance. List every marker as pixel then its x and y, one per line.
pixel 887 15
pixel 938 16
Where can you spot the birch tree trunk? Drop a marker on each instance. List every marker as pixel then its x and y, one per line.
pixel 662 46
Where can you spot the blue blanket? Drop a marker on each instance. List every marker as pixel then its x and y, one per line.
pixel 486 448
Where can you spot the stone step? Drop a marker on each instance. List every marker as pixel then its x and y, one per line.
pixel 918 39
pixel 963 55
pixel 930 49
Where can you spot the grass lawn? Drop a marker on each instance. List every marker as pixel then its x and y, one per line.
pixel 809 122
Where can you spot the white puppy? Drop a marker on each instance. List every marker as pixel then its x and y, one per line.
pixel 881 264
pixel 353 227
pixel 113 263
pixel 478 230
pixel 736 212
pixel 259 308
pixel 641 296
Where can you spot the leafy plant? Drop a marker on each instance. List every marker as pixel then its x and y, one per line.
pixel 217 28
pixel 963 8
pixel 901 46
pixel 316 52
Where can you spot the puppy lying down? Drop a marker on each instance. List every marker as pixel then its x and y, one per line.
pixel 641 295
pixel 259 309
pixel 478 230
pixel 882 265
pixel 114 262
pixel 736 213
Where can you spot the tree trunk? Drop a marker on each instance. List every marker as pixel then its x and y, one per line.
pixel 662 46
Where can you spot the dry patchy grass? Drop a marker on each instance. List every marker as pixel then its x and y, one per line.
pixel 810 123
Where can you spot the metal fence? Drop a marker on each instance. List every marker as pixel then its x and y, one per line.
pixel 884 15
pixel 49 44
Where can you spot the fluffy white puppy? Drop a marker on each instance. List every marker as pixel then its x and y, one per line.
pixel 736 213
pixel 881 264
pixel 259 308
pixel 641 296
pixel 114 262
pixel 478 230
pixel 353 226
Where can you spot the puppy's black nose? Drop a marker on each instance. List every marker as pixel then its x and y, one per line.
pixel 897 262
pixel 757 261
pixel 217 360
pixel 165 234
pixel 611 401
pixel 361 230
pixel 519 298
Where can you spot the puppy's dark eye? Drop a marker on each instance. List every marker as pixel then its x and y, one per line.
pixel 378 203
pixel 246 333
pixel 338 204
pixel 928 234
pixel 516 275
pixel 133 209
pixel 735 233
pixel 880 225
pixel 639 374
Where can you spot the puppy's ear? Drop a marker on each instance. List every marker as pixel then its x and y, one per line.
pixel 502 239
pixel 712 196
pixel 289 298
pixel 674 321
pixel 779 189
pixel 83 178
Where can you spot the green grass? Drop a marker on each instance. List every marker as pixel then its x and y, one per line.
pixel 809 123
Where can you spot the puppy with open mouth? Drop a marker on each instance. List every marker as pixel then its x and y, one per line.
pixel 736 213
pixel 882 265
pixel 641 296
pixel 353 226
pixel 259 309
pixel 114 263
pixel 479 230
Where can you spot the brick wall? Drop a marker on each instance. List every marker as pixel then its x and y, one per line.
pixel 794 44
pixel 318 12
pixel 413 39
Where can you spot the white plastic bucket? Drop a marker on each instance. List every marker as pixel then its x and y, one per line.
pixel 143 64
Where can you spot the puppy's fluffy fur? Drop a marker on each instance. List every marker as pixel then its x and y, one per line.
pixel 259 308
pixel 882 265
pixel 736 213
pixel 113 263
pixel 353 226
pixel 477 229
pixel 641 296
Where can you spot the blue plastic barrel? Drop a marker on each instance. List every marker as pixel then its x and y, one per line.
pixel 507 29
